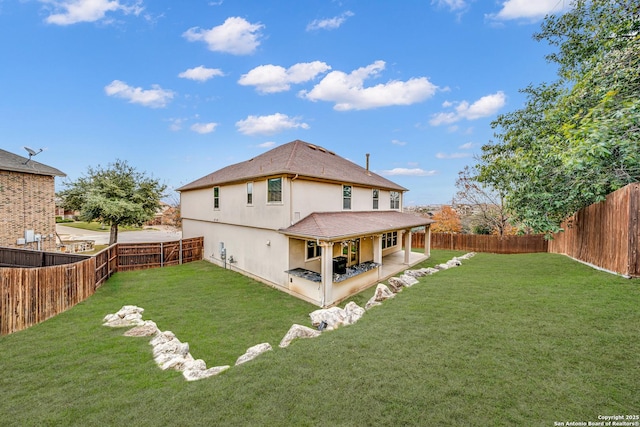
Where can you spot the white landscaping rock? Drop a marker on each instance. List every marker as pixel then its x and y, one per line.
pixel 147 329
pixel 396 284
pixel 253 352
pixel 415 273
pixel 382 293
pixel 354 312
pixel 408 280
pixel 162 338
pixel 298 331
pixel 454 263
pixel 333 317
pixel 467 255
pixel 128 315
pixel 198 374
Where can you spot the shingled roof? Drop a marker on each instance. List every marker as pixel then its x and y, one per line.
pixel 13 162
pixel 340 225
pixel 296 158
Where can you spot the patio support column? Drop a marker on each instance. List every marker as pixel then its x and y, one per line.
pixel 377 251
pixel 407 246
pixel 326 268
pixel 427 241
pixel 377 248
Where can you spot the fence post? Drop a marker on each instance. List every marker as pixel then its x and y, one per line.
pixel 180 256
pixel 161 254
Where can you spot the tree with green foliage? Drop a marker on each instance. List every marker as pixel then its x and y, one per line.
pixel 116 195
pixel 578 138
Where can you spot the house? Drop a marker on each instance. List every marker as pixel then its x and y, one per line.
pixel 304 220
pixel 165 215
pixel 27 203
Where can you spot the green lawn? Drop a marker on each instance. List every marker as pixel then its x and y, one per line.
pixel 97 226
pixel 519 340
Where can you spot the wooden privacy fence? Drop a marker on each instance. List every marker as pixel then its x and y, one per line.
pixel 29 296
pixel 12 257
pixel 605 234
pixel 483 243
pixel 38 288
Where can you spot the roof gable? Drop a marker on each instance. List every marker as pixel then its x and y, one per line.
pixel 296 158
pixel 13 162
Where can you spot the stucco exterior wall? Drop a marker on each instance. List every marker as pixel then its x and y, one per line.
pixel 311 196
pixel 233 207
pixel 258 252
pixel 27 203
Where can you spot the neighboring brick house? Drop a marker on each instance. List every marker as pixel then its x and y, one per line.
pixel 27 203
pixel 304 220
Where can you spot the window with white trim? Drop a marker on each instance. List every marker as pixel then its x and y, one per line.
pixel 376 198
pixel 274 190
pixel 216 197
pixel 394 199
pixel 346 196
pixel 249 193
pixel 314 250
pixel 389 240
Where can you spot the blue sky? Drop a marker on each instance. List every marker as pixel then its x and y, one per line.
pixel 180 89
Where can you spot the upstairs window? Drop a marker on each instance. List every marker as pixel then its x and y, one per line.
pixel 216 197
pixel 394 197
pixel 274 191
pixel 313 250
pixel 249 193
pixel 376 196
pixel 346 197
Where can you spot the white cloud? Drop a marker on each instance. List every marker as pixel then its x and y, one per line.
pixel 267 144
pixel 530 10
pixel 269 125
pixel 236 36
pixel 274 78
pixel 156 97
pixel 408 172
pixel 200 73
pixel 176 124
pixel 484 107
pixel 451 4
pixel 467 146
pixel 348 91
pixel 452 155
pixel 67 12
pixel 330 23
pixel 398 142
pixel 203 128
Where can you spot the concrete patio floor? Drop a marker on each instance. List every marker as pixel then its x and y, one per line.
pixel 393 264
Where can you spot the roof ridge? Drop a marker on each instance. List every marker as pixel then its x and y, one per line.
pixel 292 154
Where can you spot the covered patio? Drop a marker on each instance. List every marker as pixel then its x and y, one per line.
pixel 334 255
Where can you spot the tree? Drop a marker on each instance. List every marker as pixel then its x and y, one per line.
pixel 490 215
pixel 576 139
pixel 446 221
pixel 117 195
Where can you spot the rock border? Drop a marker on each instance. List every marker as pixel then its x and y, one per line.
pixel 170 353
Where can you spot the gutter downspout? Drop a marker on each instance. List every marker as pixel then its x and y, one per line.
pixel 291 198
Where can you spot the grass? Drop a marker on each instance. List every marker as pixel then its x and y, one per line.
pixel 97 226
pixel 503 340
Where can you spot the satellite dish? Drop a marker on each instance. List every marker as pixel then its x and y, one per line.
pixel 31 153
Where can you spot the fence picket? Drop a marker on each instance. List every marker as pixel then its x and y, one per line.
pixel 44 285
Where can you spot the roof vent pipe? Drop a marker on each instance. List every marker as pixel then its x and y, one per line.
pixel 367 161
